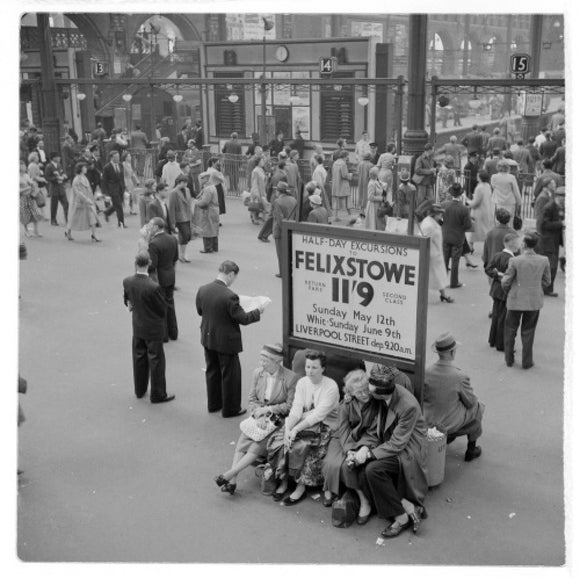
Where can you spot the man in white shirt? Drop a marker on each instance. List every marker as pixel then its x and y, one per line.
pixel 363 146
pixel 171 170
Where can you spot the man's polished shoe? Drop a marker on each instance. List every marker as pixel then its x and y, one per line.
pixel 204 251
pixel 458 286
pixel 529 366
pixel 362 520
pixel 54 223
pixel 164 399
pixel 396 528
pixel 509 363
pixel 241 412
pixel 140 396
pixel 472 453
pixel 551 294
pixel 278 275
pixel 264 240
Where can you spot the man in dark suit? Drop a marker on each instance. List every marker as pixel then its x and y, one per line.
pixel 221 317
pixel 495 271
pixel 283 207
pixel 549 225
pixel 157 207
pixel 113 185
pixel 526 276
pixel 55 177
pixel 164 253
pixel 473 141
pixel 494 239
pixel 144 299
pixel 456 221
pixel 424 174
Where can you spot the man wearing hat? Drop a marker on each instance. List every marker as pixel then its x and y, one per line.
pixel 448 399
pixel 283 207
pixel 454 150
pixel 404 197
pixel 549 225
pixel 145 198
pixel 526 276
pixel 456 221
pixel 55 177
pixel 425 174
pixel 318 213
pixel 393 472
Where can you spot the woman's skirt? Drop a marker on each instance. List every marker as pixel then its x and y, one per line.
pixel 183 232
pixel 248 445
pixel 28 210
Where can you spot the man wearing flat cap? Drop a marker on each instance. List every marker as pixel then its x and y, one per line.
pixel 392 464
pixel 448 399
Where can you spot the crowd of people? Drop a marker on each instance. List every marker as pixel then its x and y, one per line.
pixel 351 428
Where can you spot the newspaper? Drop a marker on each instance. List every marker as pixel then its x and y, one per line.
pixel 250 303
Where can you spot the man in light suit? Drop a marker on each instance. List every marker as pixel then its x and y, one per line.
pixel 448 399
pixel 221 317
pixel 283 208
pixel 526 277
pixel 164 253
pixel 113 185
pixel 144 299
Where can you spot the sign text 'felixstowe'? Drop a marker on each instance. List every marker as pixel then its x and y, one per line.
pixel 357 294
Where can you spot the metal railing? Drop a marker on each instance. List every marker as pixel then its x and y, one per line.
pixel 235 169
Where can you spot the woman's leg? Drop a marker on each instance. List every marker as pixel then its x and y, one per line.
pixel 240 462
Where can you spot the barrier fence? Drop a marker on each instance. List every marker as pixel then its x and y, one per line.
pixel 235 169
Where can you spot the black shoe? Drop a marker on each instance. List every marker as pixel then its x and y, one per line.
pixel 458 286
pixel 264 240
pixel 229 488
pixel 396 528
pixel 241 412
pixel 528 366
pixel 472 453
pixel 278 275
pixel 551 294
pixel 446 299
pixel 220 481
pixel 139 396
pixel 204 251
pixel 327 502
pixel 164 399
pixel 214 410
pixel 289 501
pixel 122 225
pixel 54 223
pixel 278 497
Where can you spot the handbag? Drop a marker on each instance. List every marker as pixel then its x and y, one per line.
pixel 251 429
pixel 40 199
pixel 417 179
pixel 345 510
pixel 385 210
pixel 255 207
pixel 518 223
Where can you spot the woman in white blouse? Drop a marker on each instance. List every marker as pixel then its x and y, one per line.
pixel 298 451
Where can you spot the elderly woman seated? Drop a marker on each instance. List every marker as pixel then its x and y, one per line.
pixel 297 452
pixel 356 415
pixel 273 388
pixel 390 467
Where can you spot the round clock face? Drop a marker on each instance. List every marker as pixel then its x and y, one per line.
pixel 282 53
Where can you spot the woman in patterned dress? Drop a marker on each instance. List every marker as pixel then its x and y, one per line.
pixel 28 209
pixel 297 451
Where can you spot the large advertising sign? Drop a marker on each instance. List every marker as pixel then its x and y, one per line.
pixel 362 293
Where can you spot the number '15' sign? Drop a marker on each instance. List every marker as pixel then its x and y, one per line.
pixel 520 63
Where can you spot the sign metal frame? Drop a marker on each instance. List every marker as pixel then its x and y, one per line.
pixel 415 368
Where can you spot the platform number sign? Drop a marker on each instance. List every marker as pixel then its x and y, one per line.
pixel 520 65
pixel 327 65
pixel 100 68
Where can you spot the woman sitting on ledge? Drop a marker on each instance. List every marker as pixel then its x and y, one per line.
pixel 273 388
pixel 297 451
